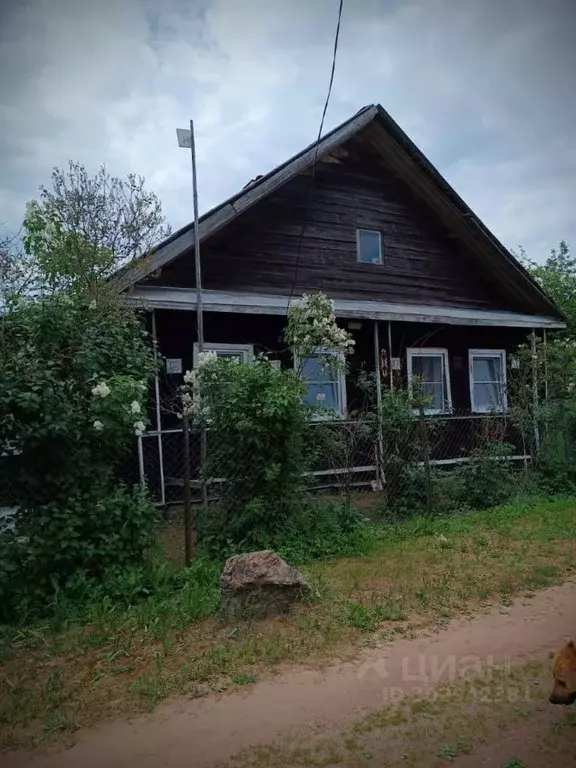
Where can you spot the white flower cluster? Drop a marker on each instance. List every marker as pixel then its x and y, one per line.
pixel 101 390
pixel 312 324
pixel 139 428
pixel 134 408
pixel 194 380
pixel 206 357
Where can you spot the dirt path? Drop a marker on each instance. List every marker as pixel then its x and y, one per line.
pixel 200 733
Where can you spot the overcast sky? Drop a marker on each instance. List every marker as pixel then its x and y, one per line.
pixel 486 89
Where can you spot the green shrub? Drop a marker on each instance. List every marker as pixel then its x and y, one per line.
pixel 316 529
pixel 54 544
pixel 488 479
pixel 73 379
pixel 74 371
pixel 257 424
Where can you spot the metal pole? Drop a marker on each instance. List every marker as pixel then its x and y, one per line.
pixel 186 489
pixel 535 392
pixel 390 356
pixel 545 364
pixel 158 415
pixel 378 403
pixel 141 462
pixel 199 313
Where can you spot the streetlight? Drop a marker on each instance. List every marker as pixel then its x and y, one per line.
pixel 186 140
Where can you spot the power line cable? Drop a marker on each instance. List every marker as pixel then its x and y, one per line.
pixel 310 189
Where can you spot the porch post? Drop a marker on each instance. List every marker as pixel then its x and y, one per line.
pixel 390 374
pixel 535 391
pixel 158 414
pixel 377 373
pixel 545 364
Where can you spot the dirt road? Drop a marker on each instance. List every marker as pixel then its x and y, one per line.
pixel 200 733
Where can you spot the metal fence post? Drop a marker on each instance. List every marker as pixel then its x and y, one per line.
pixel 535 393
pixel 426 460
pixel 186 492
pixel 380 439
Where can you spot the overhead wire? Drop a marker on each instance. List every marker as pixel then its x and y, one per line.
pixel 312 179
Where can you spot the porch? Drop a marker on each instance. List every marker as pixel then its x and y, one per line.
pixel 449 347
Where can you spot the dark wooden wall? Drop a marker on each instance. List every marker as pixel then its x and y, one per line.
pixel 177 334
pixel 263 251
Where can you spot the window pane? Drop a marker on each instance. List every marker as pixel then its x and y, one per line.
pixel 488 396
pixel 233 355
pixel 434 396
pixel 322 394
pixel 369 246
pixel 318 368
pixel 427 368
pixel 487 368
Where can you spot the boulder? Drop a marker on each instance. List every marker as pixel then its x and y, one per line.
pixel 260 584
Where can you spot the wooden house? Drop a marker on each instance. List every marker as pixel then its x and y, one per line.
pixel 425 288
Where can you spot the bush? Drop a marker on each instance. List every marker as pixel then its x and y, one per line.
pixel 316 529
pixel 73 380
pixel 257 425
pixel 74 371
pixel 55 544
pixel 488 479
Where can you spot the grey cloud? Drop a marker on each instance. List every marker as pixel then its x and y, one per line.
pixel 485 89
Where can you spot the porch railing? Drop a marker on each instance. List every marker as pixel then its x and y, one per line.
pixel 444 441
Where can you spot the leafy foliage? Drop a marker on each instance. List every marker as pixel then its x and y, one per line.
pixel 73 378
pixel 259 419
pixel 18 273
pixel 557 276
pixel 84 227
pixel 66 540
pixel 53 353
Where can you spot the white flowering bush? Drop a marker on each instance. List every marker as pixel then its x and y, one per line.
pixel 73 383
pixel 118 406
pixel 312 326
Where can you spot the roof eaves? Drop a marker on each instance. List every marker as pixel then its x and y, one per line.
pixel 434 174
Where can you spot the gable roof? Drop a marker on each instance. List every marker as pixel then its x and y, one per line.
pixel 404 158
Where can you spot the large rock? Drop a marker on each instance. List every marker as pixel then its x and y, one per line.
pixel 260 584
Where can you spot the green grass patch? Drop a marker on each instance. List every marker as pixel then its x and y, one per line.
pixel 120 651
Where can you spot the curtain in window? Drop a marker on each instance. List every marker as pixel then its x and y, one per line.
pixel 430 370
pixel 488 382
pixel 322 382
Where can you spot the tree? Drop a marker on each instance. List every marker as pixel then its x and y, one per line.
pixel 557 276
pixel 18 274
pixel 84 227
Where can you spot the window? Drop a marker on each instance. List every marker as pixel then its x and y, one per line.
pixel 487 380
pixel 242 352
pixel 369 246
pixel 430 366
pixel 324 384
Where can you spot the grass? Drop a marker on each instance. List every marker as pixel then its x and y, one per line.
pixel 461 719
pixel 112 661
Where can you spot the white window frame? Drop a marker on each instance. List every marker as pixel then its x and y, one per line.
pixel 330 415
pixel 247 351
pixel 499 353
pixel 441 352
pixel 380 248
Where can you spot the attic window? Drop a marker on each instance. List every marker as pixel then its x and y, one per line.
pixel 369 246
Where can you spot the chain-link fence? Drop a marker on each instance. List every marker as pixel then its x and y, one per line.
pixel 360 454
pixel 404 462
